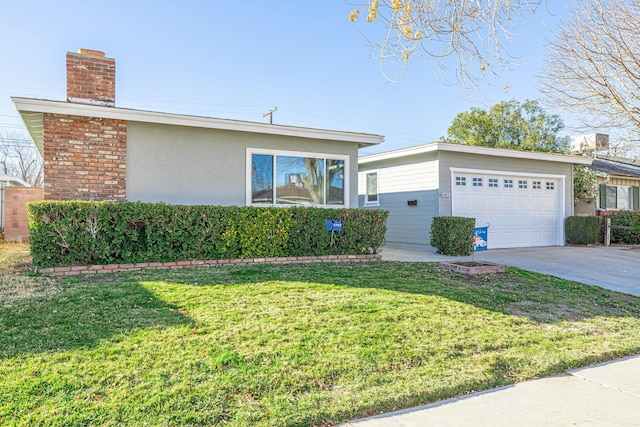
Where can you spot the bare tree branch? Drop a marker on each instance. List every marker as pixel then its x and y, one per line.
pixel 593 69
pixel 20 158
pixel 472 33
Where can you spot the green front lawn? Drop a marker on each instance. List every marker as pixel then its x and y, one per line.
pixel 291 345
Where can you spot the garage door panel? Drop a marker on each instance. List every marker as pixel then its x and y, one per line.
pixel 522 211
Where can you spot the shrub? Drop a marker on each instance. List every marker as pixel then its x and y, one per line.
pixel 583 230
pixel 90 233
pixel 452 235
pixel 625 219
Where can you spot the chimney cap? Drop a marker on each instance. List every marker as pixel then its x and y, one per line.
pixel 91 52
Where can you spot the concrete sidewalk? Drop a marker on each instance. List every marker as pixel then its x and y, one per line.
pixel 602 395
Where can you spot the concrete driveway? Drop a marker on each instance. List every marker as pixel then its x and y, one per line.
pixel 612 267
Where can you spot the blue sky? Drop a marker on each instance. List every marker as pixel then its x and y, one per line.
pixel 239 59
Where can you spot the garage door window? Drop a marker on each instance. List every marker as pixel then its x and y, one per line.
pixel 508 183
pixel 550 185
pixel 493 182
pixel 477 182
pixel 461 180
pixel 537 185
pixel 522 184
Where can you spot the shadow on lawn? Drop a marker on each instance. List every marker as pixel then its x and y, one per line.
pixel 541 298
pixel 80 314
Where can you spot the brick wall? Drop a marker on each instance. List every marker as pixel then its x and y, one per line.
pixel 16 226
pixel 84 158
pixel 91 78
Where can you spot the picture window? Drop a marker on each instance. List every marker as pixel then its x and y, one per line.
pixel 289 179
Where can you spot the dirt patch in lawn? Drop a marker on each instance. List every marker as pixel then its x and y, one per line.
pixel 544 312
pixel 15 259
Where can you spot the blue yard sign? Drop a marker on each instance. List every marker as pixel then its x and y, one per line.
pixel 334 225
pixel 480 238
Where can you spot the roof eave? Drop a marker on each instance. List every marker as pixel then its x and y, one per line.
pixel 32 111
pixel 470 149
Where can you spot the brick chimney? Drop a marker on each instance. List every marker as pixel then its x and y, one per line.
pixel 91 78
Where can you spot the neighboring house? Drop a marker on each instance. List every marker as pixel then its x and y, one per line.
pixel 93 150
pixel 618 186
pixel 10 180
pixel 524 196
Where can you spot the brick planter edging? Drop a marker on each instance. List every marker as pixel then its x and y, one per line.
pixel 112 268
pixel 485 268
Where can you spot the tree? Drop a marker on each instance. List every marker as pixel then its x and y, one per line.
pixel 472 32
pixel 593 68
pixel 20 158
pixel 510 124
pixel 584 184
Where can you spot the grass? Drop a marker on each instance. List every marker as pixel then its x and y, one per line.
pixel 292 345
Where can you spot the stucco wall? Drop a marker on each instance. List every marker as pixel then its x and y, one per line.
pixel 448 160
pixel 187 165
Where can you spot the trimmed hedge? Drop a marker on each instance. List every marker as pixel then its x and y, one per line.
pixel 583 230
pixel 452 235
pixel 65 233
pixel 625 219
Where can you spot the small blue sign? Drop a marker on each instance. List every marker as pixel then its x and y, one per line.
pixel 480 239
pixel 334 224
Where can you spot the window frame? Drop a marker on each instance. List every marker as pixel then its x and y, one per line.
pixel 368 202
pixel 629 197
pixel 250 151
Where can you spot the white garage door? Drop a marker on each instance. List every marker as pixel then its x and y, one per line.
pixel 522 211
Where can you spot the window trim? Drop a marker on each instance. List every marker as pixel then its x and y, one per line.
pixel 631 195
pixel 250 151
pixel 368 202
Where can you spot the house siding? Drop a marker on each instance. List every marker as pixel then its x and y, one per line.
pixel 407 226
pixel 84 158
pixel 188 165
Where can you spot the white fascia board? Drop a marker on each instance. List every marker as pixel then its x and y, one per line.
pixel 471 149
pixel 68 108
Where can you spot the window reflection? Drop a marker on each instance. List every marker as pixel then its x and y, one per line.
pixel 261 178
pixel 335 178
pixel 298 180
